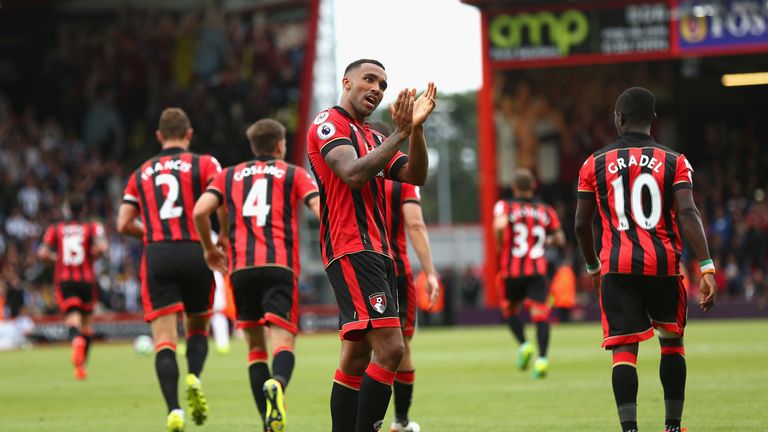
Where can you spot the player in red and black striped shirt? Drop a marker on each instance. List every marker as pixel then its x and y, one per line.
pixel 261 200
pixel 74 245
pixel 350 162
pixel 641 191
pixel 403 213
pixel 525 226
pixel 174 277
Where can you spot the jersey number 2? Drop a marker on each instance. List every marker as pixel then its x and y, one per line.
pixel 644 180
pixel 255 204
pixel 169 209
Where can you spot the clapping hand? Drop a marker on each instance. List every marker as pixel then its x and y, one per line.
pixel 424 105
pixel 402 111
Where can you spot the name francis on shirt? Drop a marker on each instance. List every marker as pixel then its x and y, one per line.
pixel 169 165
pixel 651 162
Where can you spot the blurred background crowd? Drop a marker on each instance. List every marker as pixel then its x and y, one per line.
pixel 90 119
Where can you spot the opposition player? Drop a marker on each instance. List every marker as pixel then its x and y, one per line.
pixel 524 228
pixel 261 199
pixel 642 190
pixel 74 245
pixel 403 211
pixel 174 277
pixel 350 162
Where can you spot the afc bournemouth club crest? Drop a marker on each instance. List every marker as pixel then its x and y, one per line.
pixel 378 302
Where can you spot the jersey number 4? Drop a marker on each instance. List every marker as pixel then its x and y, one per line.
pixel 255 204
pixel 642 181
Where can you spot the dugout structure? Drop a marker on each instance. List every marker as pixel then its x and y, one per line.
pixel 552 71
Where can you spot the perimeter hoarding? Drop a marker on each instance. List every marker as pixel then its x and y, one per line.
pixel 524 36
pixel 573 34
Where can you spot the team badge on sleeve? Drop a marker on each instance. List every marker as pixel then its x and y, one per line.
pixel 378 302
pixel 323 116
pixel 326 130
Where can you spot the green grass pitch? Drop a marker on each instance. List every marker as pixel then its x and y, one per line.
pixel 466 381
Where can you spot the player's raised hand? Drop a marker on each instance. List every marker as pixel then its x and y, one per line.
pixel 215 259
pixel 707 289
pixel 402 111
pixel 433 289
pixel 424 105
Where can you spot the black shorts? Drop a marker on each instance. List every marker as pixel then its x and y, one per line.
pixel 175 278
pixel 406 298
pixel 364 285
pixel 266 295
pixel 76 296
pixel 633 305
pixel 531 287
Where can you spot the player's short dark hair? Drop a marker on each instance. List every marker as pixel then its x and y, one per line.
pixel 174 123
pixel 523 180
pixel 382 128
pixel 638 105
pixel 76 204
pixel 357 63
pixel 264 135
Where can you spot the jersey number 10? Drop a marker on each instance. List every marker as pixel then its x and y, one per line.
pixel 642 181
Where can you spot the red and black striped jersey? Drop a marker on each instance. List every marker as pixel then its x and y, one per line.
pixel 396 195
pixel 350 220
pixel 73 242
pixel 165 189
pixel 261 197
pixel 633 182
pixel 524 237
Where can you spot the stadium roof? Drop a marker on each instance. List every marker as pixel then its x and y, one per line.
pixel 482 4
pixel 91 5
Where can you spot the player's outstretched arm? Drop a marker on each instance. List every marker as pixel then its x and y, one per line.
pixel 689 219
pixel 204 207
pixel 499 224
pixel 126 221
pixel 585 212
pixel 100 244
pixel 44 253
pixel 415 171
pixel 314 205
pixel 356 172
pixel 417 232
pixel 557 238
pixel 223 238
